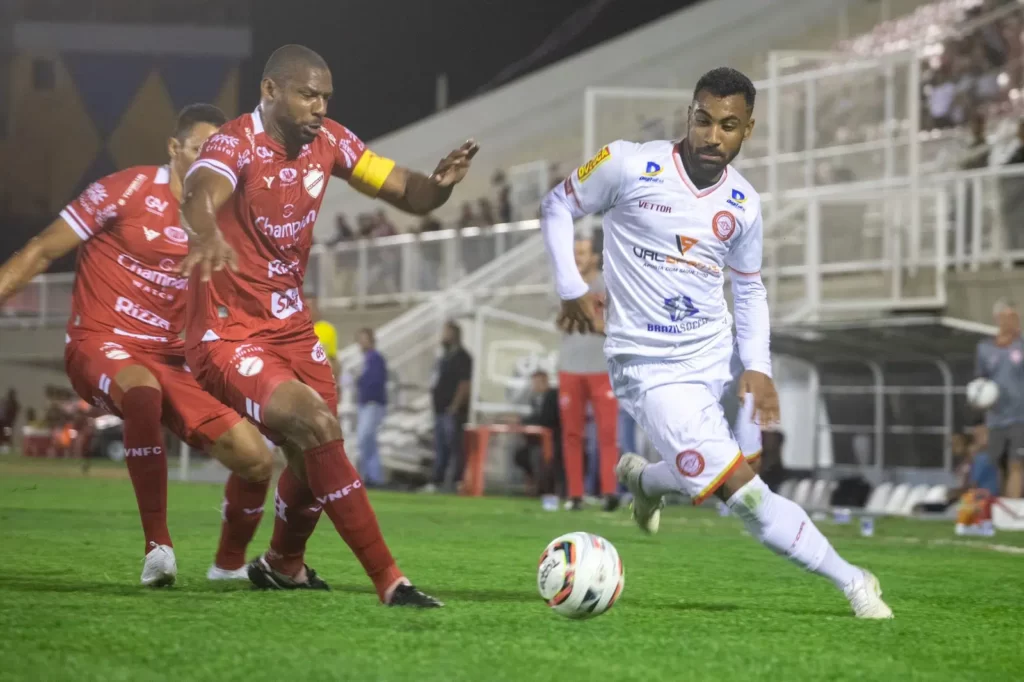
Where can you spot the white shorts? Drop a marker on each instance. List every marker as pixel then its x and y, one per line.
pixel 677 403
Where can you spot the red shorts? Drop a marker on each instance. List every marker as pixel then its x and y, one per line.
pixel 190 413
pixel 244 374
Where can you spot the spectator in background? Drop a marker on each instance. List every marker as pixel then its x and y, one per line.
pixel 429 224
pixel 543 412
pixel 8 416
pixel 343 232
pixel 486 212
pixel 450 393
pixel 382 226
pixel 1001 359
pixel 504 197
pixel 941 96
pixel 582 379
pixel 372 400
pixel 975 153
pixel 467 218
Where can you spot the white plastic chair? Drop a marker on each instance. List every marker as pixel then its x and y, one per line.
pixel 916 496
pixel 879 498
pixel 936 494
pixel 898 497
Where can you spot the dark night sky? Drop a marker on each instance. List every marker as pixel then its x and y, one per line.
pixel 385 56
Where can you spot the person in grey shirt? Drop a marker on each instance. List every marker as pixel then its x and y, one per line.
pixel 582 379
pixel 1001 359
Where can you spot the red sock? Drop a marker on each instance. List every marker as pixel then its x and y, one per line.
pixel 296 512
pixel 146 458
pixel 241 513
pixel 338 488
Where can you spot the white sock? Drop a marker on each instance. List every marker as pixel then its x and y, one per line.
pixel 784 527
pixel 657 480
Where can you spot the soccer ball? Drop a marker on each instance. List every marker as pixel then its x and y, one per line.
pixel 580 575
pixel 982 393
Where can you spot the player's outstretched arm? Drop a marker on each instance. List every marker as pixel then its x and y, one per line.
pixel 204 193
pixel 753 325
pixel 420 194
pixel 36 256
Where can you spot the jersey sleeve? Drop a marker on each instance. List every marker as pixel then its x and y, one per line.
pixel 596 185
pixel 746 252
pixel 364 170
pixel 226 153
pixel 103 202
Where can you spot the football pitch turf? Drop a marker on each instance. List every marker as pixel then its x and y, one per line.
pixel 702 601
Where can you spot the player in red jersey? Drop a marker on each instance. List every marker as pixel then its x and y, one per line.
pixel 123 350
pixel 251 199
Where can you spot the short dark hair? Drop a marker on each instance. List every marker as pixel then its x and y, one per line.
pixel 723 82
pixel 197 113
pixel 287 60
pixel 368 332
pixel 539 373
pixel 454 326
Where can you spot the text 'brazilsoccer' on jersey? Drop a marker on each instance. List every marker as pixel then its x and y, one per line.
pixel 666 246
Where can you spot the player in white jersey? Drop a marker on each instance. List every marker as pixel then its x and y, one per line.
pixel 676 216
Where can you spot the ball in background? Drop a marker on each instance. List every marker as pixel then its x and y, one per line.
pixel 580 575
pixel 982 393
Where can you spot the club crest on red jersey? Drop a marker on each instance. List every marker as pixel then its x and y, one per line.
pixel 313 180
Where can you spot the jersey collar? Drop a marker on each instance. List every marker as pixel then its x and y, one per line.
pixel 699 193
pixel 163 176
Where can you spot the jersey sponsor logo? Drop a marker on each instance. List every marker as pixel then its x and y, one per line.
pixel 679 328
pixel 150 234
pixel 657 208
pixel 288 176
pixel 330 136
pixel 690 463
pixel 135 185
pixel 168 264
pixel 94 195
pixel 351 157
pixel 319 354
pixel 280 268
pixel 245 349
pixel 723 225
pixel 221 142
pixel 269 179
pixel 176 234
pixel 737 199
pixel 288 230
pixel 244 159
pixel 134 310
pixel 680 307
pixel 105 214
pixel 143 452
pixel 284 304
pixel 114 351
pixel 263 152
pixel 154 276
pixel 313 181
pixel 250 366
pixel 584 171
pixel 156 205
pixel 661 261
pixel 651 173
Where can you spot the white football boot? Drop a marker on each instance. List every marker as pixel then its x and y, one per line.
pixel 217 573
pixel 645 510
pixel 159 568
pixel 865 596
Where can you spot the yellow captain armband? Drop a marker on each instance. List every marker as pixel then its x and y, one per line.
pixel 370 173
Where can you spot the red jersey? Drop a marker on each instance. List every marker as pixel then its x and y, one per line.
pixel 269 223
pixel 126 280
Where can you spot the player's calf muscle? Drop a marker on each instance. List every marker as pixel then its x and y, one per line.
pixel 300 415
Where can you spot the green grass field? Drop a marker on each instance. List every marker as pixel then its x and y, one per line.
pixel 702 601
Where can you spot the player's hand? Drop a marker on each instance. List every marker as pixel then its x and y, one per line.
pixel 209 255
pixel 766 399
pixel 578 316
pixel 453 168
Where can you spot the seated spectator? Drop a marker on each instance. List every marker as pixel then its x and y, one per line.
pixel 544 412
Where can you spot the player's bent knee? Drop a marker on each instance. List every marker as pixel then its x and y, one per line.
pixel 243 451
pixel 301 416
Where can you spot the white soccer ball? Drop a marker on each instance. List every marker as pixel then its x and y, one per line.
pixel 580 575
pixel 982 393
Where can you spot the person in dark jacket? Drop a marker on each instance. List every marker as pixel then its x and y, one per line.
pixel 372 401
pixel 544 411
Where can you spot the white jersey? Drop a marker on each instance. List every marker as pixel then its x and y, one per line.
pixel 666 247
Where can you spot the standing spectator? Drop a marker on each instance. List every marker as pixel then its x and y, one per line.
pixel 1001 359
pixel 8 416
pixel 450 393
pixel 372 399
pixel 467 218
pixel 486 216
pixel 582 379
pixel 504 197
